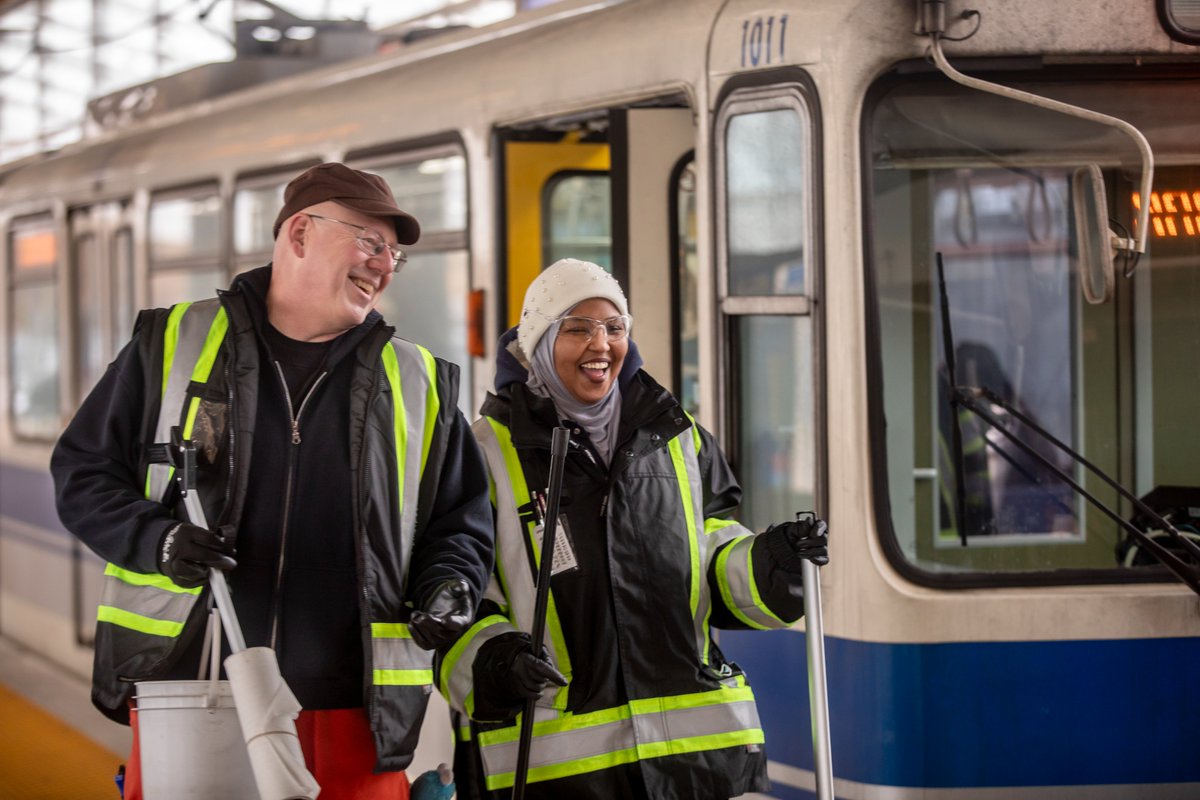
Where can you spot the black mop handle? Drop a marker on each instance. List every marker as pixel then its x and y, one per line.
pixel 558 459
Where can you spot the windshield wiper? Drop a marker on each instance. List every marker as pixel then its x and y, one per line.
pixel 972 397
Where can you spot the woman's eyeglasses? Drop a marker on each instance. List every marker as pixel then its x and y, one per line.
pixel 584 329
pixel 369 242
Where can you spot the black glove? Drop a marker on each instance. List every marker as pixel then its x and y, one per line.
pixel 513 669
pixel 792 543
pixel 446 613
pixel 187 552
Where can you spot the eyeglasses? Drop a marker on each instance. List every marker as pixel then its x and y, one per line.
pixel 584 329
pixel 369 242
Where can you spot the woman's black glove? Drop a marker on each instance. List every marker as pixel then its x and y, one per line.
pixel 506 664
pixel 187 552
pixel 446 613
pixel 790 544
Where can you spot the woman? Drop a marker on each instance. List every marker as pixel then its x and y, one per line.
pixel 635 700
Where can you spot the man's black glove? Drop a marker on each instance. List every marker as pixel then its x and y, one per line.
pixel 790 544
pixel 511 667
pixel 187 552
pixel 446 613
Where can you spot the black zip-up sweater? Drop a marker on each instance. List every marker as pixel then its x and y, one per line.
pixel 296 585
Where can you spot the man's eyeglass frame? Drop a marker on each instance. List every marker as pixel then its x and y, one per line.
pixel 369 242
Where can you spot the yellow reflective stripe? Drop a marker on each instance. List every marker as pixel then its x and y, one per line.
pixel 685 492
pixel 695 432
pixel 433 404
pixel 450 662
pixel 147 579
pixel 646 706
pixel 712 524
pixel 203 368
pixel 727 591
pixel 403 677
pixel 391 368
pixel 692 744
pixel 136 622
pixel 390 630
pixel 714 697
pixel 571 722
pixel 170 343
pixel 579 766
pixel 516 479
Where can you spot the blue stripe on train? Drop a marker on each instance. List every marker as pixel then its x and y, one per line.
pixel 28 495
pixel 985 713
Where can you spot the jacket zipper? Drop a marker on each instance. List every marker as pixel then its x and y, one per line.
pixel 294 416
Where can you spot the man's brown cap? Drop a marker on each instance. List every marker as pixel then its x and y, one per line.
pixel 352 188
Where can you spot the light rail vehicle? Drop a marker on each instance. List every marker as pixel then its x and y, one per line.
pixel 883 278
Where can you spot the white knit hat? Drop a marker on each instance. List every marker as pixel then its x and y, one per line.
pixel 561 286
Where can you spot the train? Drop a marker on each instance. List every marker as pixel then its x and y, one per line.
pixel 824 236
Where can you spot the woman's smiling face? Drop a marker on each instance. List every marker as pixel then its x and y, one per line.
pixel 589 366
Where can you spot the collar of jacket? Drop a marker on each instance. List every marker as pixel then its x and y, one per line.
pixel 646 408
pixel 246 303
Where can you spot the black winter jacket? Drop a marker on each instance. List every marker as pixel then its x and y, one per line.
pixel 624 612
pixel 301 584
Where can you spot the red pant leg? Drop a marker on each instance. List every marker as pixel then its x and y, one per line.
pixel 133 766
pixel 340 752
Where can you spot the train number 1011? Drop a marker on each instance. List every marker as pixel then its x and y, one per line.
pixel 764 40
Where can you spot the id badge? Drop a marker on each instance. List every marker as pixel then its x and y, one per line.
pixel 563 559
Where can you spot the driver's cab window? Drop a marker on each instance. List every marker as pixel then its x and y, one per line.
pixel 982 187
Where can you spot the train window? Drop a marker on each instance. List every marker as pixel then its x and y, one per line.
pixel 92 353
pixel 767 203
pixel 427 300
pixel 185 245
pixel 33 320
pixel 255 206
pixel 434 190
pixel 767 178
pixel 121 286
pixel 578 214
pixel 982 184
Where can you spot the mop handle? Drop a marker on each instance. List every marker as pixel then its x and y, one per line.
pixel 216 579
pixel 558 458
pixel 818 696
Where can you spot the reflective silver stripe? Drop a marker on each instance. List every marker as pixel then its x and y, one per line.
pixel 389 653
pixel 193 323
pixel 735 573
pixel 508 480
pixel 146 603
pixel 457 683
pixel 510 533
pixel 687 444
pixel 415 383
pixel 644 729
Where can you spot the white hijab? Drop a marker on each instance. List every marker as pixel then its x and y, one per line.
pixel 601 419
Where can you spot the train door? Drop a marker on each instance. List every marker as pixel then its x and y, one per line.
pixel 767 186
pixel 101 320
pixel 769 276
pixel 605 188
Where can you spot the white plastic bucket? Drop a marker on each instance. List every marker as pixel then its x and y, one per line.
pixel 191 743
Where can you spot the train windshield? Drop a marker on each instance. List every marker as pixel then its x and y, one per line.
pixel 983 184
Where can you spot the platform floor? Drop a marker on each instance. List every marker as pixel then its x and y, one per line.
pixel 53 744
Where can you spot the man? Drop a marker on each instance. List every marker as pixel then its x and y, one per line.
pixel 346 497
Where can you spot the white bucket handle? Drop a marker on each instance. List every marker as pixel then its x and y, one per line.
pixel 210 656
